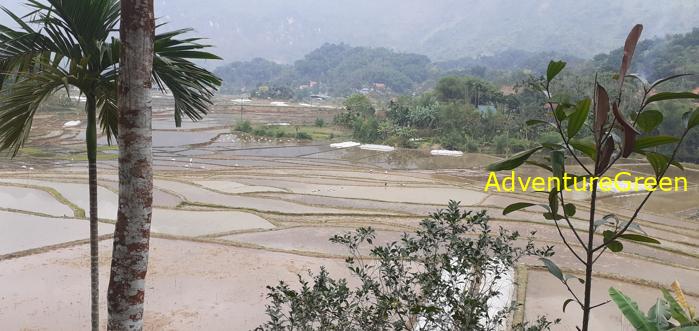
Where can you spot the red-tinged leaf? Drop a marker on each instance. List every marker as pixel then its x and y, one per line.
pixel 629 49
pixel 629 131
pixel 602 110
pixel 606 154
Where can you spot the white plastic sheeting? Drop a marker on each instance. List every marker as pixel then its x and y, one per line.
pixel 345 144
pixel 445 152
pixel 379 148
pixel 503 282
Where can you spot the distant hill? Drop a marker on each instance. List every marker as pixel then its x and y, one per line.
pixel 340 69
pixel 333 68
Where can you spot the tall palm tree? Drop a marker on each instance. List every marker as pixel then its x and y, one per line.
pixel 132 234
pixel 63 43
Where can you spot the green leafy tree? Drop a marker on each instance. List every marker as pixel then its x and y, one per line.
pixel 613 137
pixel 360 104
pixel 436 279
pixel 64 43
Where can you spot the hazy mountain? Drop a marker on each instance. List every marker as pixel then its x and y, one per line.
pixel 284 30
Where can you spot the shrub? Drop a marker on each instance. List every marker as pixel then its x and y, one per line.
pixel 443 277
pixel 243 126
pixel 319 122
pixel 345 119
pixel 471 145
pixel 260 132
pixel 518 145
pixel 500 144
pixel 452 139
pixel 366 129
pixel 303 136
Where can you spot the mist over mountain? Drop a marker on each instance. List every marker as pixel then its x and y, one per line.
pixel 283 31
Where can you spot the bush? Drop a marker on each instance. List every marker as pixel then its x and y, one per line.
pixel 260 132
pixel 366 130
pixel 443 277
pixel 500 144
pixel 320 122
pixel 303 136
pixel 452 139
pixel 518 145
pixel 471 145
pixel 243 126
pixel 345 119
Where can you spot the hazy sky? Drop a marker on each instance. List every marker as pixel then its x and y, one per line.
pixel 285 30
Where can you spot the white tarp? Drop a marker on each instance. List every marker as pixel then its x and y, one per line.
pixel 345 144
pixel 445 152
pixel 503 283
pixel 380 148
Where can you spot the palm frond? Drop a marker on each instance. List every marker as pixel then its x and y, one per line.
pixel 108 110
pixel 192 87
pixel 21 101
pixel 82 23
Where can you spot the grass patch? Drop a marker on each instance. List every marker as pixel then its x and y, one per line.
pixel 36 152
pixel 300 132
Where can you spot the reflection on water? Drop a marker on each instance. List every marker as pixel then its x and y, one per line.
pixel 410 159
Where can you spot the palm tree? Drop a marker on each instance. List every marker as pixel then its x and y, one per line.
pixel 63 43
pixel 132 234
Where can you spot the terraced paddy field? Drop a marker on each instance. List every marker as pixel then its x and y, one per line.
pixel 234 214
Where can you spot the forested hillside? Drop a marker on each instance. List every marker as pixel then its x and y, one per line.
pixel 339 69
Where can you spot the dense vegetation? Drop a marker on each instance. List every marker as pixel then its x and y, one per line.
pixel 337 68
pixel 454 262
pixel 467 112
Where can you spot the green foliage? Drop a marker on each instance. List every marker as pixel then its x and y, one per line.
pixel 615 137
pixel 340 68
pixel 514 161
pixel 409 280
pixel 360 104
pixel 319 122
pixel 243 126
pixel 303 136
pixel 472 90
pixel 366 129
pixel 668 313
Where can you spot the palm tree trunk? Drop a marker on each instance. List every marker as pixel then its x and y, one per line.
pixel 91 140
pixel 132 233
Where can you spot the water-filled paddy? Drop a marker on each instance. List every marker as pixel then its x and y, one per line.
pixel 21 232
pixel 28 199
pixel 221 194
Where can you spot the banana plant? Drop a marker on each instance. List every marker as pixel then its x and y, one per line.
pixel 668 313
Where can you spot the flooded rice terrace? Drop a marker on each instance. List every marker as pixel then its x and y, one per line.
pixel 234 213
